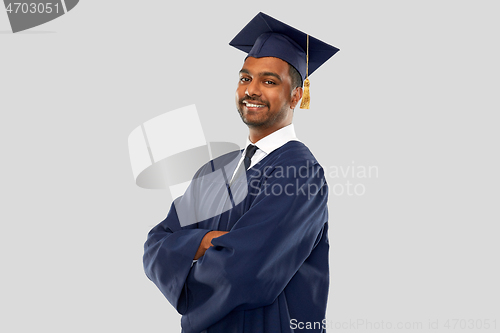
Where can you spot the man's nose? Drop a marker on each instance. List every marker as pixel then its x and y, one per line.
pixel 253 89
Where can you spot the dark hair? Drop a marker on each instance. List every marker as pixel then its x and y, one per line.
pixel 296 78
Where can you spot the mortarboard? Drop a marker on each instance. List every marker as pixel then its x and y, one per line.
pixel 265 36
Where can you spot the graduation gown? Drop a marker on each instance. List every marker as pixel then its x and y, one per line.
pixel 270 271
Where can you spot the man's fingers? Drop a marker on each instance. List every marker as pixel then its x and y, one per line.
pixel 215 234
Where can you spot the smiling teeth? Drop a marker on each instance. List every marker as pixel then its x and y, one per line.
pixel 254 105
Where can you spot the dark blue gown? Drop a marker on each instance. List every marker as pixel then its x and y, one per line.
pixel 272 266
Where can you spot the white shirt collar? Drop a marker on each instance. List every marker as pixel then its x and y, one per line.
pixel 274 140
pixel 268 144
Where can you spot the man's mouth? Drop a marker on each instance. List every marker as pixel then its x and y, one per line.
pixel 253 105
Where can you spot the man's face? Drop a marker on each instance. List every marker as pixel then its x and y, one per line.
pixel 264 94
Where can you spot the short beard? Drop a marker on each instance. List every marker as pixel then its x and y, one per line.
pixel 266 123
pixel 240 105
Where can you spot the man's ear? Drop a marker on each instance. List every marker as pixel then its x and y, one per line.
pixel 296 96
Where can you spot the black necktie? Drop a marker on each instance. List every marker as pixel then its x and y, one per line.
pixel 248 155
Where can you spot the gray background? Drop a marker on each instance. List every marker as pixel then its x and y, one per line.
pixel 413 91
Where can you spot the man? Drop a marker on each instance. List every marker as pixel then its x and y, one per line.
pixel 261 266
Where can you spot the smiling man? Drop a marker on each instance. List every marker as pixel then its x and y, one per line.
pixel 261 266
pixel 265 96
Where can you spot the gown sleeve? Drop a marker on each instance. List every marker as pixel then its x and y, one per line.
pixel 250 266
pixel 168 256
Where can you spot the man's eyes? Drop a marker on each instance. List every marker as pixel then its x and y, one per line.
pixel 267 82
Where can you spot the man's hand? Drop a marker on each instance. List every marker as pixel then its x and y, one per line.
pixel 206 242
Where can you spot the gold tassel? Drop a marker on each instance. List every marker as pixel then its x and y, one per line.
pixel 306 97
